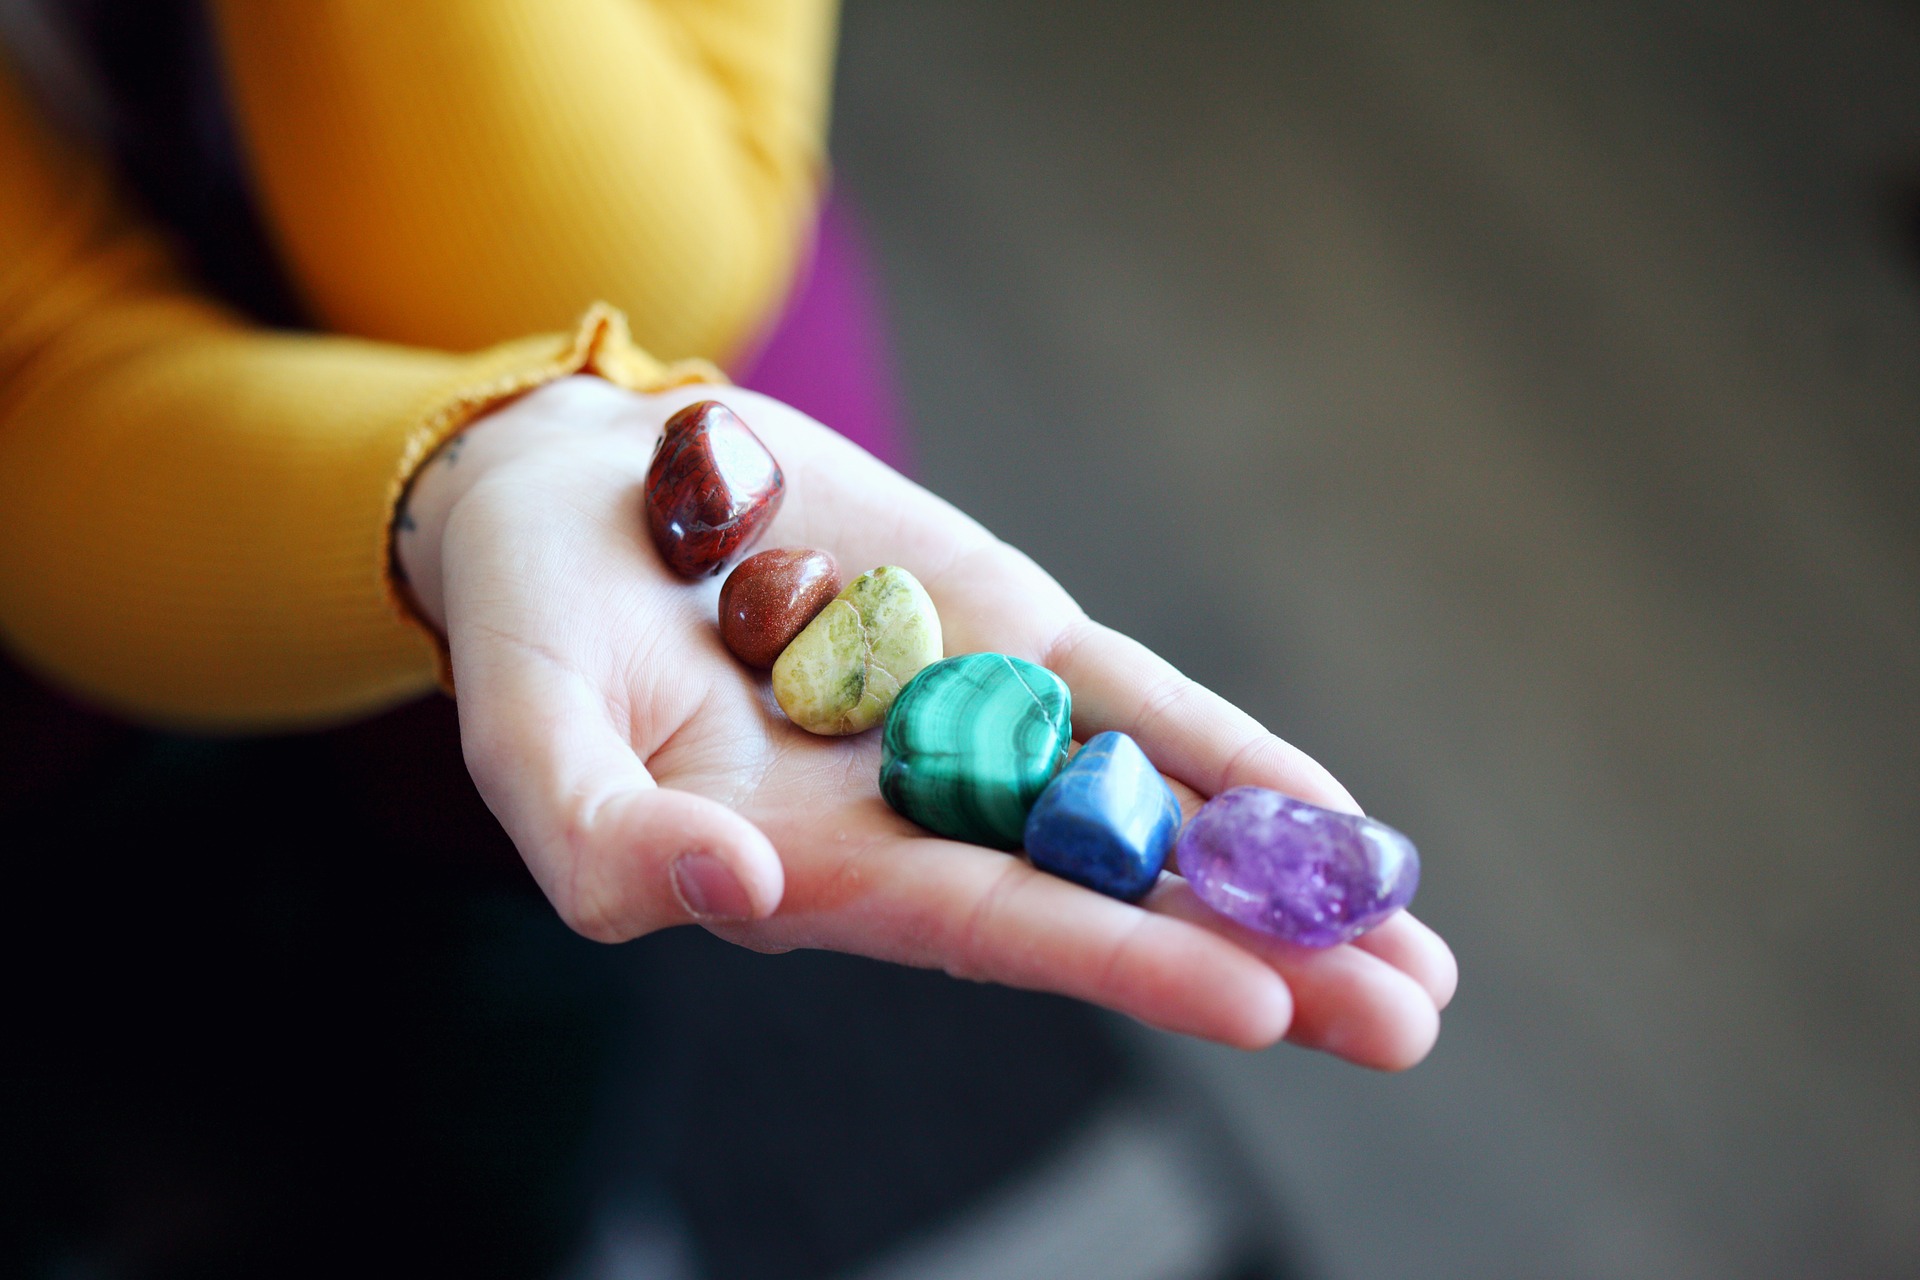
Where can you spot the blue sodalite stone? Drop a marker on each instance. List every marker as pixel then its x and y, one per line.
pixel 1106 820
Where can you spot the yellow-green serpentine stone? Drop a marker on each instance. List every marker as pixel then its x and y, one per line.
pixel 841 673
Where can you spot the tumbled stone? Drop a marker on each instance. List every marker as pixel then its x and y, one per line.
pixel 841 673
pixel 972 742
pixel 1107 820
pixel 1294 870
pixel 712 489
pixel 770 597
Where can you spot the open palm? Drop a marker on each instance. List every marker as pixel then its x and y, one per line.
pixel 649 779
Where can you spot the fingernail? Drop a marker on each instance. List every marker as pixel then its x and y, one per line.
pixel 709 890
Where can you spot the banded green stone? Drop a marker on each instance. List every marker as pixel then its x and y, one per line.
pixel 970 744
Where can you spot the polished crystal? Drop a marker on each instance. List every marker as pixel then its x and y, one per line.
pixel 971 743
pixel 845 668
pixel 712 489
pixel 1294 870
pixel 1107 820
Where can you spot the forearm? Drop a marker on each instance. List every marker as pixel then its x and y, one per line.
pixel 450 174
pixel 192 517
pixel 195 515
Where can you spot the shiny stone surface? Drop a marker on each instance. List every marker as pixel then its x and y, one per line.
pixel 1294 870
pixel 1106 821
pixel 971 743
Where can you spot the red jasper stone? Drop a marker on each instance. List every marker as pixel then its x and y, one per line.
pixel 771 598
pixel 712 489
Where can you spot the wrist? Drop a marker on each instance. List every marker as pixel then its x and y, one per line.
pixel 537 424
pixel 452 471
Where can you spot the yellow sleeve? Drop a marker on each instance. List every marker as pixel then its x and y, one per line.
pixel 194 515
pixel 446 173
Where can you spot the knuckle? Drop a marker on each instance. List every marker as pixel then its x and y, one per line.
pixel 1247 759
pixel 592 902
pixel 593 914
pixel 1162 696
pixel 486 760
pixel 1073 638
pixel 573 832
pixel 972 955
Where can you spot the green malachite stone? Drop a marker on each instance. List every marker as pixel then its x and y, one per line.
pixel 970 744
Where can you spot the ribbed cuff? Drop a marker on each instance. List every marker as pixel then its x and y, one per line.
pixel 600 345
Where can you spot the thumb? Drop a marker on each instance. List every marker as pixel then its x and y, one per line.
pixel 651 857
pixel 618 855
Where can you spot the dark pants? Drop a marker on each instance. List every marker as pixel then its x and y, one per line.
pixel 275 1002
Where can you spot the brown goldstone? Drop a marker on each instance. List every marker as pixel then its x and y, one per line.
pixel 771 598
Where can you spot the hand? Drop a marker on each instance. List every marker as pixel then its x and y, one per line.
pixel 649 779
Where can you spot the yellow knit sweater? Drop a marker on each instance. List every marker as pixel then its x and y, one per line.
pixel 195 513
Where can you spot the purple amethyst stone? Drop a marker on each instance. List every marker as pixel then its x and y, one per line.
pixel 1292 869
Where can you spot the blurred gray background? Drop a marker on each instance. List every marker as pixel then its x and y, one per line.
pixel 1517 406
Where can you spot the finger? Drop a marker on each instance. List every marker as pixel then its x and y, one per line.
pixel 994 599
pixel 1347 1002
pixel 988 916
pixel 1417 951
pixel 1190 732
pixel 844 499
pixel 1401 940
pixel 616 854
